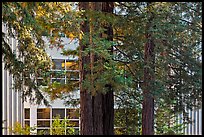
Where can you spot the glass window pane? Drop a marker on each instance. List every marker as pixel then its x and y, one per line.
pixel 60 112
pixel 27 122
pixel 74 123
pixel 43 132
pixel 58 64
pixel 41 123
pixel 72 113
pixel 71 65
pixel 43 113
pixel 27 113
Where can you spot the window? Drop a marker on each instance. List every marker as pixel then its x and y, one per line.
pixel 58 64
pixel 43 123
pixel 43 113
pixel 76 131
pixel 74 123
pixel 27 116
pixel 43 132
pixel 64 71
pixel 46 117
pixel 27 113
pixel 73 113
pixel 60 112
pixel 71 65
pixel 27 122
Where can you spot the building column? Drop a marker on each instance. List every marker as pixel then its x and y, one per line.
pixel 33 116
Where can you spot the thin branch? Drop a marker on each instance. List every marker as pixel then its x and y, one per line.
pixel 123 53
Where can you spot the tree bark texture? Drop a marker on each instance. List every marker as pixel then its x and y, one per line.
pixel 108 100
pixel 86 121
pixel 97 111
pixel 148 100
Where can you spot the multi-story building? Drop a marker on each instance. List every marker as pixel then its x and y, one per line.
pixel 12 106
pixel 41 116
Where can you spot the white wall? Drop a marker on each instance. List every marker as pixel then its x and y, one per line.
pixel 56 52
pixel 12 106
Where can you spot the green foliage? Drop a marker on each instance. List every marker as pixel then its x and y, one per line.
pixel 128 121
pixel 128 113
pixel 176 31
pixel 31 57
pixel 177 40
pixel 27 23
pixel 19 130
pixel 167 122
pixel 59 127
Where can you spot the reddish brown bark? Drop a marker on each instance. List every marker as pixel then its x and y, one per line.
pixel 108 100
pixel 148 100
pixel 104 103
pixel 97 112
pixel 86 121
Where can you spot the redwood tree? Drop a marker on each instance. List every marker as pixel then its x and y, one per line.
pixel 148 100
pixel 97 108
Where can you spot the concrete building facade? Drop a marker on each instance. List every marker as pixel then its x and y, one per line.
pixel 12 106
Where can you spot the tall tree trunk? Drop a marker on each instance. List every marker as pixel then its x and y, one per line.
pixel 86 121
pixel 148 100
pixel 108 100
pixel 97 98
pixel 103 104
pixel 97 111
